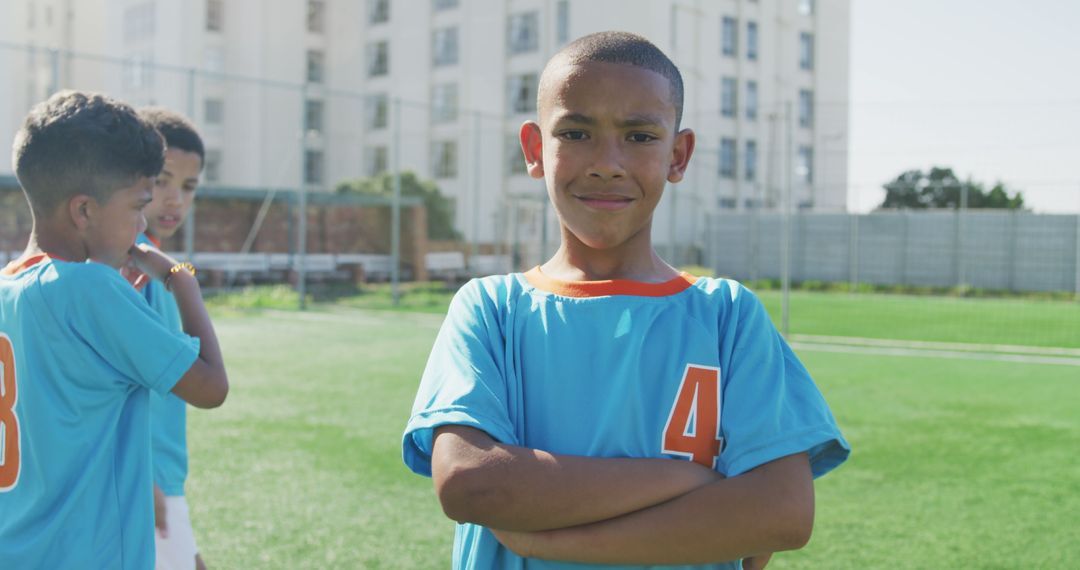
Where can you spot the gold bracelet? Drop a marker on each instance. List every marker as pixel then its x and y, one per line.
pixel 184 266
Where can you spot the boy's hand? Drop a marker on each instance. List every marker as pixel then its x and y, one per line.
pixel 520 543
pixel 134 275
pixel 159 512
pixel 756 562
pixel 151 261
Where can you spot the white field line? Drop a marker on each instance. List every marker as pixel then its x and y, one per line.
pixel 949 346
pixel 932 353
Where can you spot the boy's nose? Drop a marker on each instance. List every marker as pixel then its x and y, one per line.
pixel 142 223
pixel 172 196
pixel 607 164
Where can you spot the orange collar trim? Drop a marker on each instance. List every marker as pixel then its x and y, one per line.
pixel 610 287
pixel 25 263
pixel 153 240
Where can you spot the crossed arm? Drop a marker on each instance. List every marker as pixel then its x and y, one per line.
pixel 620 510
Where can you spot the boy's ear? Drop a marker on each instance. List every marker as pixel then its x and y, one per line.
pixel 79 209
pixel 532 144
pixel 680 155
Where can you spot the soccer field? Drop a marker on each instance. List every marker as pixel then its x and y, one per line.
pixel 956 463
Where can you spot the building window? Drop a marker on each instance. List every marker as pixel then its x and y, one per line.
pixel 444 47
pixel 806 7
pixel 378 11
pixel 521 93
pixel 751 100
pixel 806 108
pixel 376 160
pixel 805 168
pixel 751 41
pixel 212 167
pixel 139 22
pixel 313 167
pixel 523 32
pixel 440 5
pixel 444 103
pixel 727 96
pixel 727 158
pixel 378 59
pixel 750 161
pixel 378 111
pixel 444 159
pixel 515 158
pixel 316 66
pixel 213 111
pixel 313 117
pixel 729 40
pixel 316 16
pixel 562 21
pixel 806 50
pixel 215 15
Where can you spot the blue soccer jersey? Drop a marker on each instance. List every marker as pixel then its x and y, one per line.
pixel 81 351
pixel 168 413
pixel 688 369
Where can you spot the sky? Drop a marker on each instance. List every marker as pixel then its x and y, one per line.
pixel 990 88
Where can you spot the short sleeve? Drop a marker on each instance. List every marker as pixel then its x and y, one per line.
pixel 464 382
pixel 124 330
pixel 771 407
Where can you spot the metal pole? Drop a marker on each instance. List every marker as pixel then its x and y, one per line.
pixel 475 215
pixel 1076 281
pixel 301 248
pixel 189 223
pixel 54 71
pixel 785 246
pixel 395 208
pixel 853 251
pixel 961 214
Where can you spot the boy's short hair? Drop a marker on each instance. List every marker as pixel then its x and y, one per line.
pixel 82 143
pixel 624 48
pixel 178 131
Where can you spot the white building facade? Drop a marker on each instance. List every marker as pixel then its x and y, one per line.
pixel 319 91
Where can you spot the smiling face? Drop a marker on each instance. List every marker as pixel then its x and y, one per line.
pixel 606 145
pixel 110 227
pixel 174 192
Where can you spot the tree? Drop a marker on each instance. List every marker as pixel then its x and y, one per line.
pixel 440 215
pixel 940 188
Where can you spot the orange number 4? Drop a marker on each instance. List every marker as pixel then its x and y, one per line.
pixel 9 422
pixel 693 426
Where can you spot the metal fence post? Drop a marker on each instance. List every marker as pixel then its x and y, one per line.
pixel 395 208
pixel 785 245
pixel 301 249
pixel 189 223
pixel 853 251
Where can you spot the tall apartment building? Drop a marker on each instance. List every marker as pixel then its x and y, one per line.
pixel 317 91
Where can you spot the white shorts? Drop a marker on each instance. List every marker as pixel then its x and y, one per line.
pixel 177 552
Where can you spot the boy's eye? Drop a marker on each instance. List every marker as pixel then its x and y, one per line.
pixel 572 135
pixel 642 137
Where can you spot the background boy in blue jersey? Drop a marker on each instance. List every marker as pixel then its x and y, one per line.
pixel 604 408
pixel 174 194
pixel 80 349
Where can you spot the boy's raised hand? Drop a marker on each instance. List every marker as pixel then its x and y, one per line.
pixel 151 261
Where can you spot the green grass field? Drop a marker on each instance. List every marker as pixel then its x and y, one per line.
pixel 956 463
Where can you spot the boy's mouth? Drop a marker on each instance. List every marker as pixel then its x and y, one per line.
pixel 605 201
pixel 168 221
